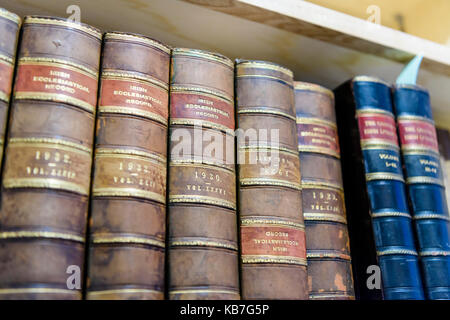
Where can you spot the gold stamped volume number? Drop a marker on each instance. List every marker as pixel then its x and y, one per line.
pixel 129 175
pixel 41 164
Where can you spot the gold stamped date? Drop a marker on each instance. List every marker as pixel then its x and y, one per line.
pixel 52 160
pixel 134 174
pixel 47 163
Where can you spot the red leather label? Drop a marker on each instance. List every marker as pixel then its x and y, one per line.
pixel 6 74
pixel 318 138
pixel 377 128
pixel 417 134
pixel 188 106
pixel 277 241
pixel 134 95
pixel 56 82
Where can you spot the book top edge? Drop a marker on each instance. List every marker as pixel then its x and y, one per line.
pixel 371 79
pixel 209 55
pixel 10 16
pixel 129 36
pixel 411 87
pixel 307 86
pixel 58 21
pixel 261 64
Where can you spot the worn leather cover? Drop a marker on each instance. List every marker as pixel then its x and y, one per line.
pixel 425 182
pixel 376 200
pixel 9 34
pixel 273 252
pixel 202 224
pixel 47 169
pixel 128 212
pixel 443 136
pixel 327 241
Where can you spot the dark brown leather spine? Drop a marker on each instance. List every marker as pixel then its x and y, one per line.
pixel 327 242
pixel 46 179
pixel 443 136
pixel 203 245
pixel 273 253
pixel 9 35
pixel 128 215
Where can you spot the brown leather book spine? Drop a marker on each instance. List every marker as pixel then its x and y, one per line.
pixel 273 252
pixel 327 242
pixel 9 35
pixel 443 136
pixel 128 211
pixel 202 225
pixel 47 173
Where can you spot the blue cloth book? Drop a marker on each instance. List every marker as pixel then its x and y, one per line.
pixel 379 220
pixel 425 184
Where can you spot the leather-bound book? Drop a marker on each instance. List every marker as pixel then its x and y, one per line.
pixel 47 169
pixel 128 212
pixel 327 241
pixel 9 35
pixel 443 136
pixel 272 231
pixel 202 224
pixel 424 179
pixel 379 221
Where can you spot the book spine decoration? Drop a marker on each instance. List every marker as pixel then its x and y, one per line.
pixel 365 112
pixel 327 241
pixel 443 136
pixel 273 252
pixel 9 35
pixel 424 179
pixel 46 179
pixel 128 213
pixel 202 224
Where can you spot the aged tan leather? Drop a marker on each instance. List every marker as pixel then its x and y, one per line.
pixel 127 225
pixel 212 71
pixel 46 179
pixel 273 252
pixel 203 249
pixel 211 146
pixel 327 242
pixel 9 33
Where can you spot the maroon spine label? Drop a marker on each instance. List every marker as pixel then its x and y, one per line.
pixel 196 107
pixel 377 128
pixel 56 82
pixel 417 134
pixel 317 136
pixel 269 243
pixel 131 96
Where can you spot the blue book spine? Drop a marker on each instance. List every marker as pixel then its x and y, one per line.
pixel 391 219
pixel 425 184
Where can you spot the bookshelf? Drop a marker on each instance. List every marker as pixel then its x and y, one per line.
pixel 423 18
pixel 320 45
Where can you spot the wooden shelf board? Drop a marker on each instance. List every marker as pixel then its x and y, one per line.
pixel 327 25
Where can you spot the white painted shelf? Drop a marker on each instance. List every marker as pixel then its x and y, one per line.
pixel 320 45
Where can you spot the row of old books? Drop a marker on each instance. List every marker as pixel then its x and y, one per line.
pixel 133 170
